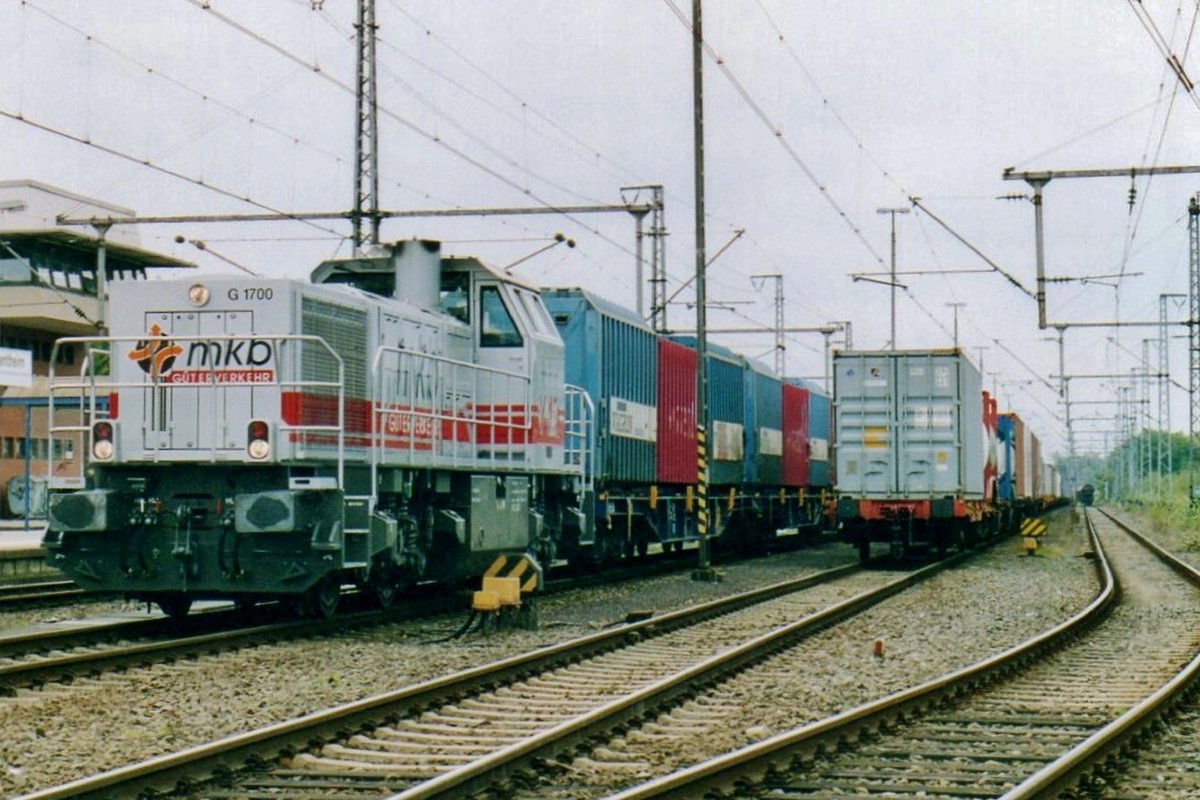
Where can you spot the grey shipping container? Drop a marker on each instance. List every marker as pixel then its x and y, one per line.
pixel 908 424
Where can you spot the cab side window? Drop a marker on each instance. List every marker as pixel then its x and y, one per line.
pixel 498 328
pixel 453 296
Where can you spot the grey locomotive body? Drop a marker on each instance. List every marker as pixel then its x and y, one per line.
pixel 401 417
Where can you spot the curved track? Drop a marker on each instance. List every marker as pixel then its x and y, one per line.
pixel 1028 723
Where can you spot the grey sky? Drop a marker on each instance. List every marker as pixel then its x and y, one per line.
pixel 562 101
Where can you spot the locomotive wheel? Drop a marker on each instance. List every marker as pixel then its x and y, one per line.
pixel 175 606
pixel 384 586
pixel 323 598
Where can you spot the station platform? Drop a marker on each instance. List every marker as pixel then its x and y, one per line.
pixel 21 555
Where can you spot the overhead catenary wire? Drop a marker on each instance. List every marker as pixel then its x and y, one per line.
pixel 209 97
pixel 778 135
pixel 149 164
pixel 1136 223
pixel 439 141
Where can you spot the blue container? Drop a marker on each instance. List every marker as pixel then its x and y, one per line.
pixel 1006 432
pixel 613 355
pixel 764 426
pixel 726 413
pixel 819 441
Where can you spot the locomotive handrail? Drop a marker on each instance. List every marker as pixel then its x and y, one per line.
pixel 88 385
pixel 580 428
pixel 382 408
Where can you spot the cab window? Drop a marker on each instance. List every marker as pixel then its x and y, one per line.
pixel 452 298
pixel 537 313
pixel 498 328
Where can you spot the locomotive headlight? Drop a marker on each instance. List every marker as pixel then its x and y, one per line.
pixel 258 439
pixel 102 441
pixel 199 295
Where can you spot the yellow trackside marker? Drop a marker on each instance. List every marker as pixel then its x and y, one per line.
pixel 654 496
pixel 496 566
pixel 485 601
pixel 732 497
pixel 687 500
pixel 782 494
pixel 1030 543
pixel 507 589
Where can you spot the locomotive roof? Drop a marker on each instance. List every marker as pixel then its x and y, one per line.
pixel 381 266
pixel 472 263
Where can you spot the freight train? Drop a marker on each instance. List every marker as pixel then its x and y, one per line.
pixel 398 418
pixel 924 459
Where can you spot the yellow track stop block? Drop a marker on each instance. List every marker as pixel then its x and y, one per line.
pixel 485 601
pixel 507 589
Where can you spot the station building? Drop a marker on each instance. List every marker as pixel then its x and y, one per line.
pixel 53 283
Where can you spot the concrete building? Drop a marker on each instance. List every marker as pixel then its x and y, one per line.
pixel 50 287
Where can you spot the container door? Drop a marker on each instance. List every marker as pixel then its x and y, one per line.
pixel 928 416
pixel 864 425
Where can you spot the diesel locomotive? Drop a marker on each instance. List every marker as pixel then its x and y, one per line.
pixel 400 417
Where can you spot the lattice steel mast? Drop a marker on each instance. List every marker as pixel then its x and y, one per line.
pixel 366 140
pixel 1193 339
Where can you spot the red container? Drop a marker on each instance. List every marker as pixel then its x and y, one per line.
pixel 1036 461
pixel 676 413
pixel 795 436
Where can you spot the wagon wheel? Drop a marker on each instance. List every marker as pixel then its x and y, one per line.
pixel 175 606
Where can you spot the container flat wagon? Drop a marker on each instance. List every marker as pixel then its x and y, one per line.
pixel 911 445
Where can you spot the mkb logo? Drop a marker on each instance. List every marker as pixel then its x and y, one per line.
pixel 156 356
pixel 225 360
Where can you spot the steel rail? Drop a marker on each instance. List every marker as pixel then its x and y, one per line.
pixel 24 643
pixel 40 591
pixel 1075 764
pixel 266 743
pixel 724 772
pixel 480 774
pixel 24 673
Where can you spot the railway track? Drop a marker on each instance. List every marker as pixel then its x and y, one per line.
pixel 34 658
pixel 1031 722
pixel 463 732
pixel 18 595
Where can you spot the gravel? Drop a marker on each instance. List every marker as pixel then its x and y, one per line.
pixel 60 733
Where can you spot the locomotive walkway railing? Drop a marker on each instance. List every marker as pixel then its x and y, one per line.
pixel 579 440
pixel 95 384
pixel 433 410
